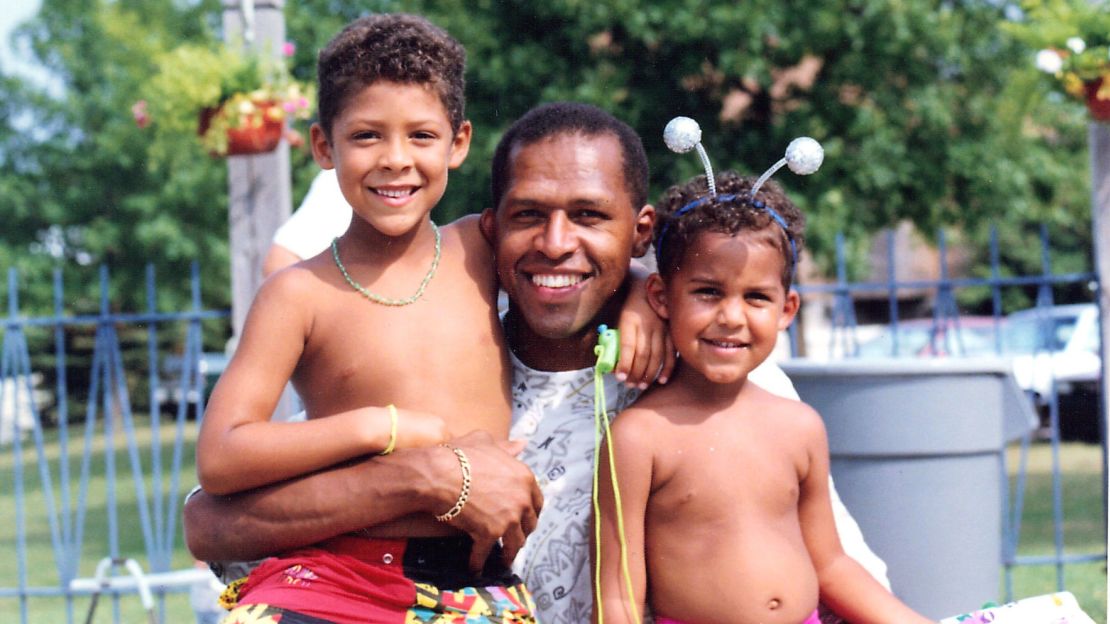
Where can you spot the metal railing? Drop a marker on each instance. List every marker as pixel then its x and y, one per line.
pixel 111 426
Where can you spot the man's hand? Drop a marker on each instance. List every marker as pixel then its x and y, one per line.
pixel 505 499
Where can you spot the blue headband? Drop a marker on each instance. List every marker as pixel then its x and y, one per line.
pixel 745 198
pixel 803 156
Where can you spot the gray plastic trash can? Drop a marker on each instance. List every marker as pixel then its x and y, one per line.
pixel 916 448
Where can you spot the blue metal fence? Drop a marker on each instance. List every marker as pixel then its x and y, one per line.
pixel 110 422
pixel 110 428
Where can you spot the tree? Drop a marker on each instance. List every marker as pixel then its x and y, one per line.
pixel 87 188
pixel 920 105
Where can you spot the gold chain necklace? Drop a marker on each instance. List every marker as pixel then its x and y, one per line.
pixel 386 301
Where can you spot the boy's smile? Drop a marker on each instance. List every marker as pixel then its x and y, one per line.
pixel 725 305
pixel 392 146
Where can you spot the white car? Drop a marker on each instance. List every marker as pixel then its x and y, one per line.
pixel 1058 345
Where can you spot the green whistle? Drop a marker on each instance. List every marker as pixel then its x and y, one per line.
pixel 608 348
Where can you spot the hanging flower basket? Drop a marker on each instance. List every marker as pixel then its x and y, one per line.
pixel 234 102
pixel 1073 39
pixel 257 132
pixel 1098 106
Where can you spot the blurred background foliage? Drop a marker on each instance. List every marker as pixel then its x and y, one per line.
pixel 928 111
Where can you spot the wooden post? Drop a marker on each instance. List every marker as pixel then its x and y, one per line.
pixel 259 194
pixel 1098 136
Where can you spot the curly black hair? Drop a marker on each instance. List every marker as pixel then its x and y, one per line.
pixel 674 233
pixel 397 47
pixel 559 118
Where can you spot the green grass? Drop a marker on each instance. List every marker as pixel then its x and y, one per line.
pixel 1084 524
pixel 1084 529
pixel 41 569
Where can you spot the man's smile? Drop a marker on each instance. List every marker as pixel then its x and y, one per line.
pixel 557 280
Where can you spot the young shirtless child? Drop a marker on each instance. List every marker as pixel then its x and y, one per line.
pixel 724 486
pixel 397 313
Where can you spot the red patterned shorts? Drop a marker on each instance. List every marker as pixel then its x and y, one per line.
pixel 356 580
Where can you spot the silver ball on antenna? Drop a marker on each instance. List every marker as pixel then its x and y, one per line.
pixel 682 134
pixel 804 155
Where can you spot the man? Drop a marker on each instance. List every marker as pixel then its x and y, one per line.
pixel 570 195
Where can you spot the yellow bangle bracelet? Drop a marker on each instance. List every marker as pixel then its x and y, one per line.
pixel 392 429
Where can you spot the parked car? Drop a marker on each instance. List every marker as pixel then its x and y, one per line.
pixel 963 336
pixel 1059 345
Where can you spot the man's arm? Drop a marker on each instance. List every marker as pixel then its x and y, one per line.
pixel 504 502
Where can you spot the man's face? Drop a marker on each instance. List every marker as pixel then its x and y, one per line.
pixel 565 231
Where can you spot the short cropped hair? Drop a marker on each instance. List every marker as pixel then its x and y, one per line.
pixel 562 118
pixel 396 47
pixel 731 217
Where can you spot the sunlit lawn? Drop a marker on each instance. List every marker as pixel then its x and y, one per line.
pixel 1084 530
pixel 41 570
pixel 1084 524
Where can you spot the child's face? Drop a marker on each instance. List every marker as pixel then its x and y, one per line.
pixel 391 147
pixel 725 304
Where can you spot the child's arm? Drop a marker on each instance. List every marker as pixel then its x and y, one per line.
pixel 846 587
pixel 645 343
pixel 633 453
pixel 239 448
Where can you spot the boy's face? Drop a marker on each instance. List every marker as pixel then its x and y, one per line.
pixel 725 304
pixel 565 231
pixel 391 146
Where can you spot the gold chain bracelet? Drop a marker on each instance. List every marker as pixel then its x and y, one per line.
pixel 464 495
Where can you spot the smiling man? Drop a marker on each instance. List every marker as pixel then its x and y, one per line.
pixel 570 190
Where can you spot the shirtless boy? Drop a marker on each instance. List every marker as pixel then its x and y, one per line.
pixel 398 313
pixel 724 487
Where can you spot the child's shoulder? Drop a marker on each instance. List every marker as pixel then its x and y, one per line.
pixel 466 230
pixel 294 280
pixel 302 278
pixel 785 411
pixel 464 236
pixel 655 410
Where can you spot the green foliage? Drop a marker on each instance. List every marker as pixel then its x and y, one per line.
pixel 232 88
pixel 84 189
pixel 913 100
pixel 924 108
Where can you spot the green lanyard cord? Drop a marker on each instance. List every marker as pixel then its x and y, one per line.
pixel 607 352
